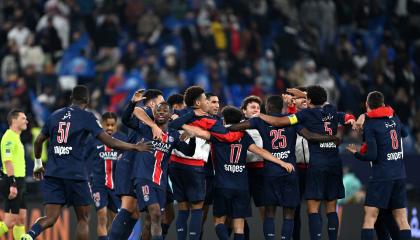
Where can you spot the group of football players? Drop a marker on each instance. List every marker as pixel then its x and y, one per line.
pixel 185 150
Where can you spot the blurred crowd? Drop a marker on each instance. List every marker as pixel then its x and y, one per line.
pixel 232 48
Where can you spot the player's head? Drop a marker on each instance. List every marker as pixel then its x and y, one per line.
pixel 80 96
pixel 17 120
pixel 316 95
pixel 195 97
pixel 374 100
pixel 176 101
pixel 251 106
pixel 214 103
pixel 109 122
pixel 162 113
pixel 301 103
pixel 152 98
pixel 274 104
pixel 231 115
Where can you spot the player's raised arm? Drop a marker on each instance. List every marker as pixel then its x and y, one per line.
pixel 127 116
pixel 120 145
pixel 240 126
pixel 371 153
pixel 279 121
pixel 187 148
pixel 269 157
pixel 316 137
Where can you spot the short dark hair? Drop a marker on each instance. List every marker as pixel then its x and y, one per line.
pixel 13 114
pixel 250 99
pixel 192 94
pixel 317 95
pixel 80 94
pixel 109 115
pixel 209 95
pixel 164 104
pixel 375 99
pixel 232 115
pixel 274 103
pixel 175 99
pixel 151 94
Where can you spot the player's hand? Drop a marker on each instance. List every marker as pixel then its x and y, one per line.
pixel 289 167
pixel 185 135
pixel 358 125
pixel 144 147
pixel 288 99
pixel 296 92
pixel 12 192
pixel 174 116
pixel 39 173
pixel 350 122
pixel 352 148
pixel 337 140
pixel 157 133
pixel 138 96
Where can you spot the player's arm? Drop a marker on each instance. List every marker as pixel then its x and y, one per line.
pixel 269 157
pixel 279 121
pixel 127 117
pixel 240 126
pixel 316 137
pixel 371 146
pixel 142 116
pixel 346 118
pixel 38 167
pixel 123 146
pixel 198 132
pixel 179 122
pixel 187 149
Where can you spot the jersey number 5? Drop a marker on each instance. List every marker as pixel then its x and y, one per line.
pixel 63 132
pixel 328 130
pixel 394 139
pixel 279 140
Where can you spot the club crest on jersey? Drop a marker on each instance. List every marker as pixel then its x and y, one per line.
pixel 171 139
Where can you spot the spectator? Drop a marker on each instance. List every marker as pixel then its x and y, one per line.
pixel 267 71
pixel 169 76
pixel 31 54
pixel 50 41
pixel 60 23
pixel 148 23
pixel 107 33
pixel 47 98
pixel 113 89
pixel 10 63
pixel 19 34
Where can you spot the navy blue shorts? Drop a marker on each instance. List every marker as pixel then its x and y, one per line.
pixel 324 183
pixel 123 182
pixel 256 185
pixel 386 194
pixel 188 183
pixel 66 192
pixel 149 193
pixel 232 203
pixel 169 195
pixel 105 197
pixel 282 191
pixel 209 190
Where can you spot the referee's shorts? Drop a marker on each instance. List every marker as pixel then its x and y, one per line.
pixel 19 202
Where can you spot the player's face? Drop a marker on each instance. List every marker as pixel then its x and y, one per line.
pixel 252 109
pixel 162 114
pixel 109 125
pixel 21 122
pixel 157 101
pixel 301 103
pixel 203 103
pixel 213 105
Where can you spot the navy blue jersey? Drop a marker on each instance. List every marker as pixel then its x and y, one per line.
pixel 280 142
pixel 68 129
pixel 230 163
pixel 154 166
pixel 322 120
pixel 387 135
pixel 103 160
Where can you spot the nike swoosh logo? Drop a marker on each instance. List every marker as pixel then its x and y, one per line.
pixel 99 147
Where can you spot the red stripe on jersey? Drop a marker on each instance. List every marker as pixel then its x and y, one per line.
pixel 228 137
pixel 109 181
pixel 187 161
pixel 204 123
pixel 157 170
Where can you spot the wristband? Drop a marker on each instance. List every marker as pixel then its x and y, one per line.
pixel 37 163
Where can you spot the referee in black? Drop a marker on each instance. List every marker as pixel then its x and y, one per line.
pixel 12 184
